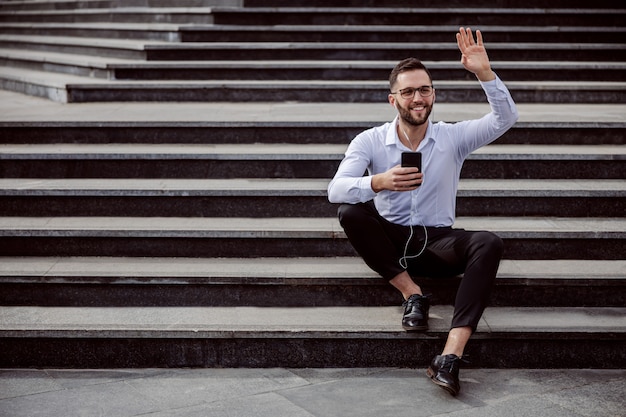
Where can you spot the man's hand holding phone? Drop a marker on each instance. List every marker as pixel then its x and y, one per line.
pixel 404 177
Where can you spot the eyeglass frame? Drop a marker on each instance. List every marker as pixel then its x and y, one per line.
pixel 418 89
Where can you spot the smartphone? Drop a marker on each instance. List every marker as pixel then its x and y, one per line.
pixel 412 159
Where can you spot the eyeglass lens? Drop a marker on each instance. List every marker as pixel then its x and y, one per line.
pixel 423 91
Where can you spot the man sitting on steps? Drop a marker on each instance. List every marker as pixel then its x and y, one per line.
pixel 399 218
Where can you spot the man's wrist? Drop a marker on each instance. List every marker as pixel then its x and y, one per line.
pixel 487 75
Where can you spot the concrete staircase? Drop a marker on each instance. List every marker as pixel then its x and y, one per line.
pixel 156 243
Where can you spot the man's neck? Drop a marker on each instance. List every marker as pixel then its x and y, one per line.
pixel 411 136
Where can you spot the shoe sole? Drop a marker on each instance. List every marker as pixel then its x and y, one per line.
pixel 447 387
pixel 415 328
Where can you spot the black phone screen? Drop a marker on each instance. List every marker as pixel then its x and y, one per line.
pixel 412 159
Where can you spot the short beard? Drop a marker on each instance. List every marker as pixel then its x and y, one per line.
pixel 406 115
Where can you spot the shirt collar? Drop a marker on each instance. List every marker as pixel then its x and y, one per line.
pixel 392 134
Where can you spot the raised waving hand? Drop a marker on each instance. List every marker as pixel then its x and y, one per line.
pixel 474 55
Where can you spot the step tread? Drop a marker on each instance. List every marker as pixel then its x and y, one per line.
pixel 61 80
pixel 308 10
pixel 369 28
pixel 273 271
pixel 143 44
pixel 194 27
pixel 30 112
pixel 279 227
pixel 69 59
pixel 296 322
pixel 135 44
pixel 283 151
pixel 290 187
pixel 121 63
pixel 118 10
pixel 166 27
pixel 73 81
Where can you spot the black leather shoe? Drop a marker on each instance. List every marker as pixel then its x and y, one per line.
pixel 415 316
pixel 444 371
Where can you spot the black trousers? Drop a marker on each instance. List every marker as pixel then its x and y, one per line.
pixel 448 252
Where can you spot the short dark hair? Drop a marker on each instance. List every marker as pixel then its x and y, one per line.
pixel 408 64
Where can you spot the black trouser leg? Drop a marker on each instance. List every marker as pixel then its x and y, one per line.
pixel 373 237
pixel 475 254
pixel 449 252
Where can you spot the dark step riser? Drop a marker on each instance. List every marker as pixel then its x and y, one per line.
pixel 492 168
pixel 397 36
pixel 292 206
pixel 309 93
pixel 498 351
pixel 371 74
pixel 163 246
pixel 300 74
pixel 400 35
pixel 107 4
pixel 247 133
pixel 488 4
pixel 595 293
pixel 455 18
pixel 180 53
pixel 381 54
pixel 447 17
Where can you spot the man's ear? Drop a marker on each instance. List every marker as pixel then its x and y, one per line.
pixel 392 100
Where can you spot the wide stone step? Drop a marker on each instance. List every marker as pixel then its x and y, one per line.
pixel 89 4
pixel 329 16
pixel 290 197
pixel 92 337
pixel 419 16
pixel 571 132
pixel 306 33
pixel 123 69
pixel 396 33
pixel 303 51
pixel 287 282
pixel 436 51
pixel 106 4
pixel 70 88
pixel 186 15
pixel 525 238
pixel 99 47
pixel 288 161
pixel 358 70
pixel 110 30
pixel 579 4
pixel 336 91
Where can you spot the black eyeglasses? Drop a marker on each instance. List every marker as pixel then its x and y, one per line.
pixel 424 91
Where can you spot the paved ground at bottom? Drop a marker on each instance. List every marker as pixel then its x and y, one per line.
pixel 380 392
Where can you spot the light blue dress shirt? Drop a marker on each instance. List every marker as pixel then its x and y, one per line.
pixel 444 149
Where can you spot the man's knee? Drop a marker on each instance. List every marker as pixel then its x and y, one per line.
pixel 351 213
pixel 490 242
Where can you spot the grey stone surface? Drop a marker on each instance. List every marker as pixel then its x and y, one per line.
pixel 292 227
pixel 282 322
pixel 294 269
pixel 279 392
pixel 19 107
pixel 289 187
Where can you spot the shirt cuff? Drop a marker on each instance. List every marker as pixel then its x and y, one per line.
pixel 366 188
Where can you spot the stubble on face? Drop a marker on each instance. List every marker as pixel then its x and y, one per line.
pixel 407 115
